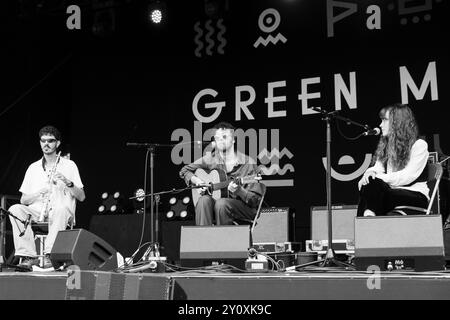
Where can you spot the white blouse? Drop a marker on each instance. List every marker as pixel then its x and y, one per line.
pixel 399 179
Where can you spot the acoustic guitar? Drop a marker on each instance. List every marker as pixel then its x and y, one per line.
pixel 216 183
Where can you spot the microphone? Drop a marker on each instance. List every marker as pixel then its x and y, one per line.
pixel 372 132
pixel 27 222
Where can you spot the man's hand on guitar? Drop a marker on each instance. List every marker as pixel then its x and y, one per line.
pixel 197 182
pixel 232 187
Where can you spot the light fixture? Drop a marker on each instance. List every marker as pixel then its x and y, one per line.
pixel 157 12
pixel 112 203
pixel 156 16
pixel 186 200
pixel 138 203
pixel 179 208
pixel 139 193
pixel 170 214
pixel 183 214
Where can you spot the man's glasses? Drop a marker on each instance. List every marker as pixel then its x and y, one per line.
pixel 48 140
pixel 224 137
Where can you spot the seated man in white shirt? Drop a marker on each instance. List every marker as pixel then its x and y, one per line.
pixel 49 190
pixel 398 176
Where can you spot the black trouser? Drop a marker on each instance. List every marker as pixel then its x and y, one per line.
pixel 379 197
pixel 224 211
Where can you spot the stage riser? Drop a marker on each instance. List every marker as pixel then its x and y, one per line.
pixel 308 289
pixel 85 285
pixel 115 286
pixel 93 285
pixel 21 286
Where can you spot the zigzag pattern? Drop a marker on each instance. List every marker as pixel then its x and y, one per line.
pixel 274 40
pixel 275 168
pixel 267 156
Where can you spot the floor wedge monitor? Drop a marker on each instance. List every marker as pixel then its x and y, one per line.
pixel 397 243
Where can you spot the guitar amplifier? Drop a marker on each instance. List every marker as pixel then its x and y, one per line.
pixel 343 224
pixel 275 225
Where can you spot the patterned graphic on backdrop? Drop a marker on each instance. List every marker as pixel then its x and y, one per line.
pixel 414 10
pixel 208 42
pixel 255 142
pixel 348 161
pixel 269 20
pixel 252 142
pixel 410 9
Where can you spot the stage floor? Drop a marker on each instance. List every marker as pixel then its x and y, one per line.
pixel 304 285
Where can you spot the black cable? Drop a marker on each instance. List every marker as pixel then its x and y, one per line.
pixel 144 212
pixel 344 136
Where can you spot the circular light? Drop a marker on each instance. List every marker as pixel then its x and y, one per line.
pixel 101 208
pixel 170 214
pixel 183 214
pixel 104 195
pixel 116 195
pixel 186 200
pixel 140 193
pixel 172 200
pixel 113 208
pixel 156 16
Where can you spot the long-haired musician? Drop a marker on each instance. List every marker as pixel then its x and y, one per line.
pixel 242 200
pixel 49 190
pixel 397 176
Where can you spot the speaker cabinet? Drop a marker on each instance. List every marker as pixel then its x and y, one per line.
pixel 209 245
pixel 83 249
pixel 343 225
pixel 275 225
pixel 400 243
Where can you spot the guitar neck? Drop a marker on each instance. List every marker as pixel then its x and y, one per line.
pixel 220 185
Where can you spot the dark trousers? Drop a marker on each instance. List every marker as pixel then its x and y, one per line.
pixel 223 211
pixel 379 197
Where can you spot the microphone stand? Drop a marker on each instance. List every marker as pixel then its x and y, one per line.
pixel 151 148
pixel 3 214
pixel 330 259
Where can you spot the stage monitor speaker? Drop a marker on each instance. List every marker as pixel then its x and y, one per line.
pixel 210 245
pixel 447 239
pixel 399 243
pixel 83 249
pixel 275 225
pixel 343 223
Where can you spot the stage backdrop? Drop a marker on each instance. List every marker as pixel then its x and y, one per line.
pixel 263 66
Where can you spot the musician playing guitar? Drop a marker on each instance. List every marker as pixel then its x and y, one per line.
pixel 242 200
pixel 51 180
